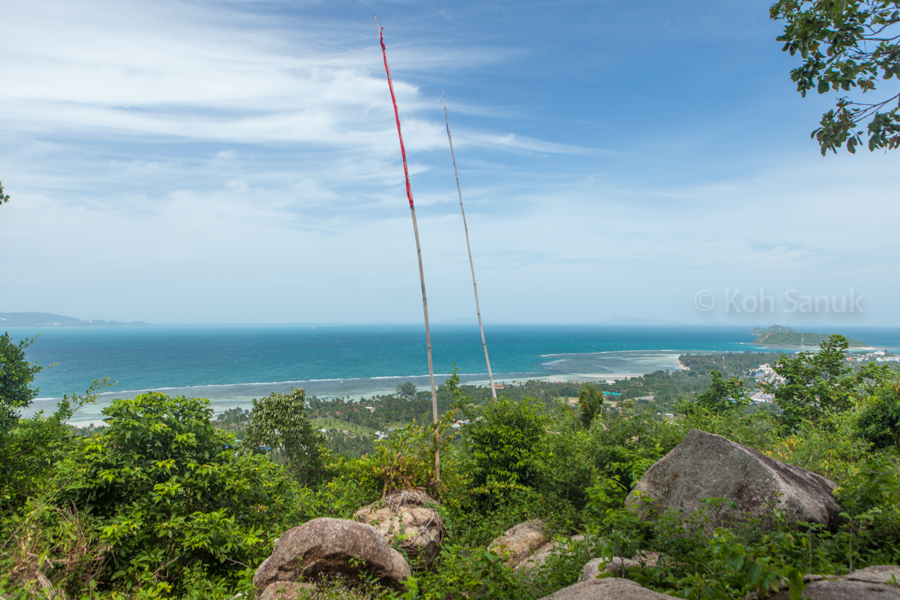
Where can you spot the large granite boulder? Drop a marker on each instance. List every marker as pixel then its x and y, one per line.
pixel 410 518
pixel 705 465
pixel 518 542
pixel 873 583
pixel 331 548
pixel 609 588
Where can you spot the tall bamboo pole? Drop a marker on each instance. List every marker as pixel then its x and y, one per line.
pixel 469 248
pixel 412 209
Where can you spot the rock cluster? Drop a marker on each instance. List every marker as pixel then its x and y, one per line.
pixel 873 583
pixel 410 518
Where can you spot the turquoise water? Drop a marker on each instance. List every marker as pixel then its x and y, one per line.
pixel 231 364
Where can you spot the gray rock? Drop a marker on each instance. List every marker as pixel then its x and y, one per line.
pixel 538 557
pixel 331 547
pixel 705 465
pixel 876 574
pixel 287 590
pixel 410 518
pixel 519 542
pixel 609 588
pixel 872 583
pixel 617 565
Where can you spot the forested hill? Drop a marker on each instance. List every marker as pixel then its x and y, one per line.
pixel 36 319
pixel 776 335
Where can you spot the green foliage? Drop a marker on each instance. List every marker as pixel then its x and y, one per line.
pixel 34 446
pixel 161 502
pixel 279 425
pixel 58 546
pixel 406 458
pixel 16 377
pixel 819 384
pixel 471 572
pixel 632 442
pixel 3 197
pixel 755 428
pixel 846 45
pixel 504 442
pixel 234 420
pixel 829 448
pixel 879 419
pixel 566 469
pixel 170 493
pixel 724 395
pixel 871 499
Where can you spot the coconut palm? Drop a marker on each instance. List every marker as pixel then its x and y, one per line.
pixel 590 402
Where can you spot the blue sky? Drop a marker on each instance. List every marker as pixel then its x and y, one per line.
pixel 236 161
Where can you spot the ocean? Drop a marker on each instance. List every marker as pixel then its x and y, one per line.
pixel 232 364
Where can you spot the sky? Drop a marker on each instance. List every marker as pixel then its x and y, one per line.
pixel 237 161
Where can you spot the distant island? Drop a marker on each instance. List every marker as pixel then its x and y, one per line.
pixel 35 319
pixel 778 335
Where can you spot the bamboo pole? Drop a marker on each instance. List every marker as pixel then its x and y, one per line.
pixel 412 209
pixel 469 248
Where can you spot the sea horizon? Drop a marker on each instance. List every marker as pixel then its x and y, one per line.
pixel 232 364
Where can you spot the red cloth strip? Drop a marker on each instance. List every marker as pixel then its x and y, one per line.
pixel 396 115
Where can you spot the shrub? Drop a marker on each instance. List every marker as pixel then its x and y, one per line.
pixel 170 492
pixel 504 444
pixel 879 419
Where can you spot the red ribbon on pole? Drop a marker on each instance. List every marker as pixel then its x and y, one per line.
pixel 396 114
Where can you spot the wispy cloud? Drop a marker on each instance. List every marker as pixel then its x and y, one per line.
pixel 237 161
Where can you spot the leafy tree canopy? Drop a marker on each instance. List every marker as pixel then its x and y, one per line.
pixel 846 44
pixel 3 198
pixel 16 377
pixel 724 395
pixel 407 390
pixel 820 384
pixel 279 425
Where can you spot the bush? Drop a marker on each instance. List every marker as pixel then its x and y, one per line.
pixel 879 419
pixel 171 493
pixel 504 442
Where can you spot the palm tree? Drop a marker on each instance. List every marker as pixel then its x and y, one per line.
pixel 590 401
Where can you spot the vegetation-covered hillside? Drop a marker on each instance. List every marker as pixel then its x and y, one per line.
pixel 785 336
pixel 162 503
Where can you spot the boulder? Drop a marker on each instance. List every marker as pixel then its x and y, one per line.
pixel 538 557
pixel 705 465
pixel 331 547
pixel 872 583
pixel 409 517
pixel 520 541
pixel 617 565
pixel 609 588
pixel 287 590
